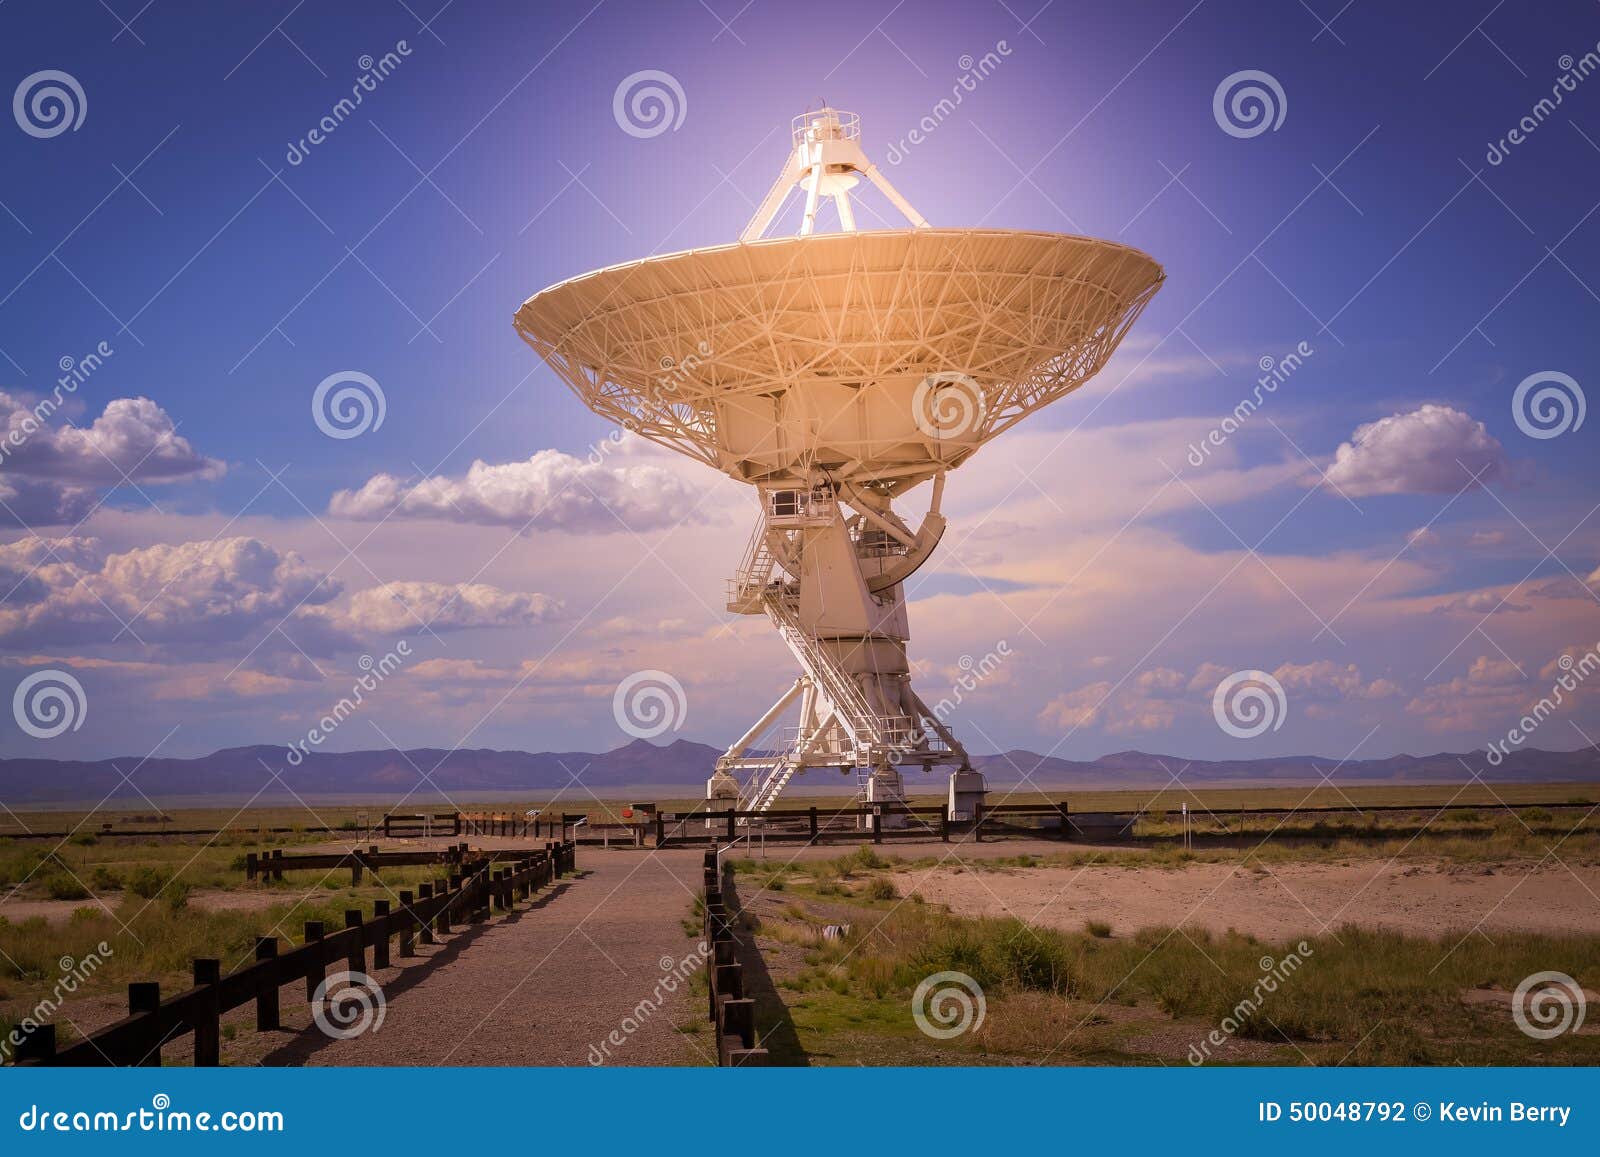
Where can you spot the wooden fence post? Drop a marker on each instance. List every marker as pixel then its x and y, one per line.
pixel 452 890
pixel 317 970
pixel 206 1019
pixel 380 946
pixel 661 829
pixel 267 1016
pixel 37 1045
pixel 250 867
pixel 812 815
pixel 145 996
pixel 425 892
pixel 406 925
pixel 944 822
pixel 356 957
pixel 877 823
pixel 732 825
pixel 355 869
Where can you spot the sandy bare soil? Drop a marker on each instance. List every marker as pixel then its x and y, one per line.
pixel 1290 901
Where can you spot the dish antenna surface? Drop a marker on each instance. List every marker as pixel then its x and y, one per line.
pixel 833 372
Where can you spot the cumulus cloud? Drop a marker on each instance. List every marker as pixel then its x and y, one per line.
pixel 1430 450
pixel 134 439
pixel 1154 700
pixel 1491 689
pixel 407 606
pixel 74 591
pixel 550 491
pixel 29 502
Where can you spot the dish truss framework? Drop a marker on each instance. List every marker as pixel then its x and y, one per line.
pixel 834 373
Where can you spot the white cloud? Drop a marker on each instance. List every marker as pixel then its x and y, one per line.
pixel 407 606
pixel 134 439
pixel 550 491
pixel 75 592
pixel 1430 450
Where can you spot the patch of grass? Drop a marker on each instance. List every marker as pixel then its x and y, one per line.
pixel 1376 997
pixel 147 882
pixel 62 886
pixel 881 888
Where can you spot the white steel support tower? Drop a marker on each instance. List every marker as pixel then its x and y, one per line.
pixel 835 373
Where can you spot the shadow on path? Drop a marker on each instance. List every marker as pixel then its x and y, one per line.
pixel 300 1045
pixel 775 1029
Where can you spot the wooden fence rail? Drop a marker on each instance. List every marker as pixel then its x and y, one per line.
pixel 731 1011
pixel 506 824
pixel 153 1022
pixel 272 865
pixel 879 823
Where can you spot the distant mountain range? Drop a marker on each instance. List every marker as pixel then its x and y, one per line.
pixel 241 771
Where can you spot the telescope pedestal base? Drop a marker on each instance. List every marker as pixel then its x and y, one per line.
pixel 967 790
pixel 886 786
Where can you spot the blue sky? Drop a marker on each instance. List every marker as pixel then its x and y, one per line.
pixel 227 596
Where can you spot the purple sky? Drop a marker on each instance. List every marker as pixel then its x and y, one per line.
pixel 1408 560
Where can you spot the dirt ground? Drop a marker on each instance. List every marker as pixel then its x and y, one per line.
pixel 1283 903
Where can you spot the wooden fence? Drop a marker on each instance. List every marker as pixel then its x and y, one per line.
pixel 731 1012
pixel 507 824
pixel 421 826
pixel 272 865
pixel 152 1022
pixel 879 823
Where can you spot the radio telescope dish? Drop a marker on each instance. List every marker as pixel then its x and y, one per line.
pixel 834 372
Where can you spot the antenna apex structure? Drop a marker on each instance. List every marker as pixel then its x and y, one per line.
pixel 825 160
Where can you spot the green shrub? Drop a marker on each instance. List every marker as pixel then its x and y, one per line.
pixel 881 888
pixel 62 886
pixel 147 882
pixel 1098 929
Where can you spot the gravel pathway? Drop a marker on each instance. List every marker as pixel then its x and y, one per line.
pixel 551 982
